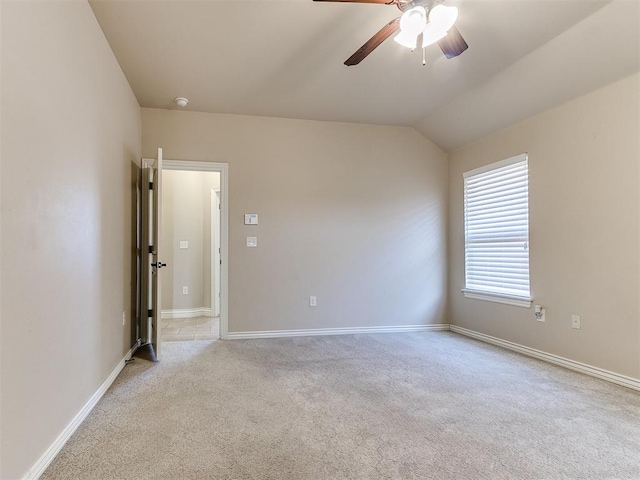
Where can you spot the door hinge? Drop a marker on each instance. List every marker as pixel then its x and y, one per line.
pixel 150 185
pixel 150 312
pixel 150 248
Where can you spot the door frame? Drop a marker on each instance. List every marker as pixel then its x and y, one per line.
pixel 223 170
pixel 214 232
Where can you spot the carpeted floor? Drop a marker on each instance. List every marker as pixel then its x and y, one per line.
pixel 384 406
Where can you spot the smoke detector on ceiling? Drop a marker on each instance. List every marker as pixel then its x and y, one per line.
pixel 181 101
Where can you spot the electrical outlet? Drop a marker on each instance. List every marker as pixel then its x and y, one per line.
pixel 185 290
pixel 575 322
pixel 313 301
pixel 124 318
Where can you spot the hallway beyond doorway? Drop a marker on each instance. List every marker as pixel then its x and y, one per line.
pixel 187 329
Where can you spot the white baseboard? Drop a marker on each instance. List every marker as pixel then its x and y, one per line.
pixel 600 373
pixel 187 313
pixel 336 331
pixel 47 457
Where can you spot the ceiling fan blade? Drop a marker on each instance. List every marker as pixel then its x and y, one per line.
pixel 358 1
pixel 453 44
pixel 373 43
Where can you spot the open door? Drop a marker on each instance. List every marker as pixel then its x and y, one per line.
pixel 151 263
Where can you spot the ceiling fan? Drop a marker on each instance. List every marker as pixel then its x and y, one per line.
pixel 426 19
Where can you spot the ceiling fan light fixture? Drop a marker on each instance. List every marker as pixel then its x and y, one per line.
pixel 442 18
pixel 412 24
pixel 413 20
pixel 406 39
pixel 432 34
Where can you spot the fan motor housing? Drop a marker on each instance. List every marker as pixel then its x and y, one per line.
pixel 403 6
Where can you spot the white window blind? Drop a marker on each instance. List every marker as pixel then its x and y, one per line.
pixel 496 228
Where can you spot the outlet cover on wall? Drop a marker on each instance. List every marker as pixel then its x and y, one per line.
pixel 185 290
pixel 184 244
pixel 313 301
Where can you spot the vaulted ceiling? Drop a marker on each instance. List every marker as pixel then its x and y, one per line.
pixel 284 58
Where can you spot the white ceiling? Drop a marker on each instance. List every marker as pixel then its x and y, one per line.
pixel 284 58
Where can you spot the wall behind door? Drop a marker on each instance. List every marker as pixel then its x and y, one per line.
pixel 354 214
pixel 186 216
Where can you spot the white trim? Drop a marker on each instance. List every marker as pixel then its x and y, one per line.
pixel 223 168
pixel 187 312
pixel 600 373
pixel 215 252
pixel 502 163
pixel 50 453
pixel 192 166
pixel 514 300
pixel 311 332
pixel 224 246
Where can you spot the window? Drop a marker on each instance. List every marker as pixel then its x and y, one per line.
pixel 496 232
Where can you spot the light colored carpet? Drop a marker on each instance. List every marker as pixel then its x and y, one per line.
pixel 386 406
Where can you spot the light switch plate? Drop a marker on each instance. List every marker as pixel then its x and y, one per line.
pixel 250 218
pixel 252 241
pixel 184 244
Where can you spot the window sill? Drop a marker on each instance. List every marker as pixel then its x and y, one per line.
pixel 524 302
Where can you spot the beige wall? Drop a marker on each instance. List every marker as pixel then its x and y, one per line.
pixel 186 215
pixel 354 214
pixel 70 130
pixel 584 230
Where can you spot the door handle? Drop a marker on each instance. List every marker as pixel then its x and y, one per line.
pixel 158 264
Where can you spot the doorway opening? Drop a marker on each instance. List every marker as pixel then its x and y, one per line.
pixel 193 287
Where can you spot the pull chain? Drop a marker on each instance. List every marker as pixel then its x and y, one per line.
pixel 424 60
